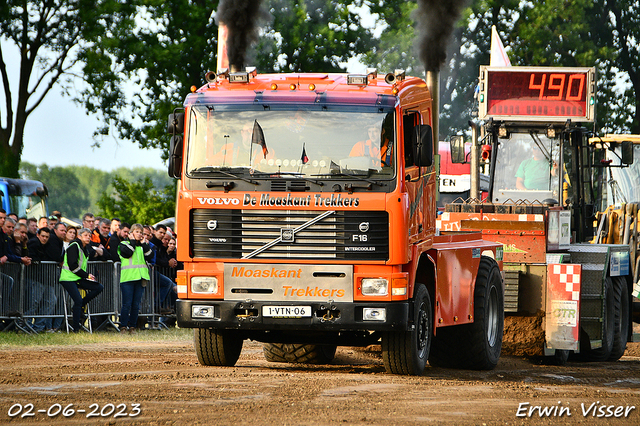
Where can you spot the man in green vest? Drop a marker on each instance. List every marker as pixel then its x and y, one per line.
pixel 134 276
pixel 74 276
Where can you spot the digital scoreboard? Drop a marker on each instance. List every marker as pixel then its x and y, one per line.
pixel 546 94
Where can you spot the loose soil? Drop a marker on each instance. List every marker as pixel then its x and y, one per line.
pixel 172 388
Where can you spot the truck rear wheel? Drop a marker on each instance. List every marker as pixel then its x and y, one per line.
pixel 217 347
pixel 406 352
pixel 608 328
pixel 621 318
pixel 475 346
pixel 298 353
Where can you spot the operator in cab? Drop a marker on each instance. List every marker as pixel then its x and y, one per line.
pixel 376 146
pixel 534 173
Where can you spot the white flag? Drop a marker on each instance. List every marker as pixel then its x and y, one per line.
pixel 499 57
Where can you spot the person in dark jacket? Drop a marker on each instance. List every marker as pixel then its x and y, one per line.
pixel 19 240
pixel 41 295
pixel 160 261
pixel 37 245
pixel 55 247
pixel 74 275
pixel 120 235
pixel 6 246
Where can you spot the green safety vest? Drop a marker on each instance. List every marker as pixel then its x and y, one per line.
pixel 133 268
pixel 66 274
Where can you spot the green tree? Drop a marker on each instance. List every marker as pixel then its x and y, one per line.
pixel 157 53
pixel 615 26
pixel 394 49
pixel 66 193
pixel 137 201
pixel 50 36
pixel 540 33
pixel 94 182
pixel 311 36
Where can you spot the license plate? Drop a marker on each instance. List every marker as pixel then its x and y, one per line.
pixel 286 311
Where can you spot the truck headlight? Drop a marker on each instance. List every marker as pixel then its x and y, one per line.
pixel 375 287
pixel 207 285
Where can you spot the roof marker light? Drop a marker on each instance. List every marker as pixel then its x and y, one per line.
pixel 357 80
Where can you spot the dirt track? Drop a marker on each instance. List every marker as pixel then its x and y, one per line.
pixel 172 388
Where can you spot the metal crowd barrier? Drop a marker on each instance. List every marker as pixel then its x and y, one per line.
pixel 158 306
pixel 32 300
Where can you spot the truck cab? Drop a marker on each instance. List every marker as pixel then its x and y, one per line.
pixel 23 197
pixel 307 206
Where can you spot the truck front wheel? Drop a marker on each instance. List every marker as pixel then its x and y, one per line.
pixel 299 353
pixel 217 347
pixel 406 352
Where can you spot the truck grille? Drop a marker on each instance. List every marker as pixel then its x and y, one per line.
pixel 343 235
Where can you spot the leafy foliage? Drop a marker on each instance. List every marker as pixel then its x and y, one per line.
pixel 550 33
pixel 75 190
pixel 138 72
pixel 66 193
pixel 139 58
pixel 311 36
pixel 137 201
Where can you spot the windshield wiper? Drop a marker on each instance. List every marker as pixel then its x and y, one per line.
pixel 226 171
pixel 359 177
pixel 286 175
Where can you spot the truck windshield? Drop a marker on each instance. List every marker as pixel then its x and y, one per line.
pixel 295 142
pixel 526 168
pixel 622 182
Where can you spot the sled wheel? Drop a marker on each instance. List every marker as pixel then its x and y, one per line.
pixel 299 353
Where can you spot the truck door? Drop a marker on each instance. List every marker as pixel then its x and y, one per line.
pixel 415 184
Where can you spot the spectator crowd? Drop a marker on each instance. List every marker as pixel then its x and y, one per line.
pixel 28 242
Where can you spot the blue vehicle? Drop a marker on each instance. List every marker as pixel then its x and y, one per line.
pixel 23 197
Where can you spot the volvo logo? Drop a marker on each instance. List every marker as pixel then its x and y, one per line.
pixel 212 225
pixel 363 227
pixel 287 235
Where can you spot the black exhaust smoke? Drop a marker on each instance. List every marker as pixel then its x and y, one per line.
pixel 240 18
pixel 435 20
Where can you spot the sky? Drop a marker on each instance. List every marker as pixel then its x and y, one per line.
pixel 59 133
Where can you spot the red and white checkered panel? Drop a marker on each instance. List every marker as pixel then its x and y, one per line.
pixel 569 276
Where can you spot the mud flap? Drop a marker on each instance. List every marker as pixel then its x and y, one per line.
pixel 562 319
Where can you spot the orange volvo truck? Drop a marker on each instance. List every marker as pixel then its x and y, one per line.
pixel 306 210
pixel 563 293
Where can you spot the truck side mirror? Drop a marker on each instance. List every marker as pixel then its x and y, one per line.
pixel 423 145
pixel 627 152
pixel 175 156
pixel 456 148
pixel 175 127
pixel 175 123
